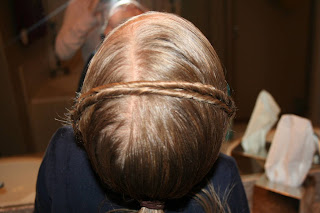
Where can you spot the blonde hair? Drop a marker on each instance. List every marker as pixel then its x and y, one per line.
pixel 154 109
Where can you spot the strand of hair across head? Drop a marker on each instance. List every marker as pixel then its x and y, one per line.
pixel 196 91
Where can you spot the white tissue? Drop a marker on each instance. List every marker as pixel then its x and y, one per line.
pixel 291 152
pixel 264 116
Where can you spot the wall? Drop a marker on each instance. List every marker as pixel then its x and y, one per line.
pixel 15 134
pixel 36 99
pixel 10 129
pixel 314 88
pixel 270 52
pixel 263 44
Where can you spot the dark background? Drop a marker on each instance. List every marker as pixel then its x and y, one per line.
pixel 263 44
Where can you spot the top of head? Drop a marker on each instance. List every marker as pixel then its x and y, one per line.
pixel 142 142
pixel 149 45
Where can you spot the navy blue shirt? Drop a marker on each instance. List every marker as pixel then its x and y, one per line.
pixel 67 183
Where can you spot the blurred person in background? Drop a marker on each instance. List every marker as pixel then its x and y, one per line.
pixel 81 28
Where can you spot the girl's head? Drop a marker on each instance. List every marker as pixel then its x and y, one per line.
pixel 154 108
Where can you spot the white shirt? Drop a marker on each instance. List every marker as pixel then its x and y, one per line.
pixel 81 28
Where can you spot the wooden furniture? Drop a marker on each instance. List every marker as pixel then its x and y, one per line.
pixel 266 196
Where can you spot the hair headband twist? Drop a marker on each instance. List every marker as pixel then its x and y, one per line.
pixel 185 90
